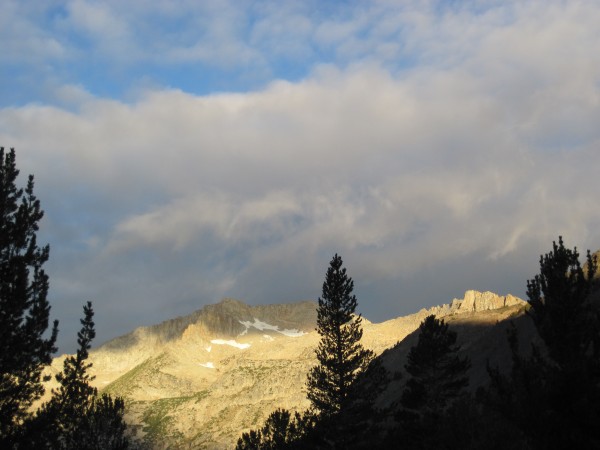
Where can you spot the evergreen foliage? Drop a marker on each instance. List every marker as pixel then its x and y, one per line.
pixel 521 397
pixel 553 395
pixel 103 426
pixel 560 307
pixel 75 418
pixel 341 356
pixel 281 430
pixel 437 382
pixel 550 398
pixel 437 373
pixel 341 399
pixel 71 401
pixel 24 308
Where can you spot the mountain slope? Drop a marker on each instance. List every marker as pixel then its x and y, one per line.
pixel 199 381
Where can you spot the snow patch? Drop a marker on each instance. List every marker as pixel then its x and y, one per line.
pixel 231 342
pixel 262 326
pixel 208 365
pixel 208 349
pixel 292 333
pixel 268 338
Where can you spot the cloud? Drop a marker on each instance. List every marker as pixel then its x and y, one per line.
pixel 22 39
pixel 435 148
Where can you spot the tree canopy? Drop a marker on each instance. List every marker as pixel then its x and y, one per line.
pixel 340 354
pixel 438 374
pixel 24 308
pixel 74 417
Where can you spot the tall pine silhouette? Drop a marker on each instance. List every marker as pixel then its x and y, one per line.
pixel 341 356
pixel 75 418
pixel 552 395
pixel 24 308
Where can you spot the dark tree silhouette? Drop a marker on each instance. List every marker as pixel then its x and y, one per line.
pixel 24 308
pixel 438 375
pixel 437 379
pixel 553 395
pixel 103 426
pixel 280 431
pixel 560 306
pixel 71 401
pixel 75 418
pixel 341 356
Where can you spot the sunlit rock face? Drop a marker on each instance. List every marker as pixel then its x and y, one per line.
pixel 199 381
pixel 483 301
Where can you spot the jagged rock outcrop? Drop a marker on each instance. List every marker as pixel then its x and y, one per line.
pixel 199 381
pixel 483 301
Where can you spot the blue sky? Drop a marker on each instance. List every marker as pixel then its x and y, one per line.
pixel 187 151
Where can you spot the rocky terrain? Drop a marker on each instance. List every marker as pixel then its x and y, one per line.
pixel 199 381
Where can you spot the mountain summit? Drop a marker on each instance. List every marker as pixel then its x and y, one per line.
pixel 228 318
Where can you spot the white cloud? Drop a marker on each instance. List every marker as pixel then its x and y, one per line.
pixel 482 150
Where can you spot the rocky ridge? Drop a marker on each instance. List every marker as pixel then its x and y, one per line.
pixel 198 381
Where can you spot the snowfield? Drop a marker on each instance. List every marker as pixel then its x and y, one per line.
pixel 231 342
pixel 262 326
pixel 208 365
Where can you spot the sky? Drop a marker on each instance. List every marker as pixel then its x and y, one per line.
pixel 186 151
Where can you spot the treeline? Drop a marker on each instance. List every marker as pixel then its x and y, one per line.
pixel 75 416
pixel 548 399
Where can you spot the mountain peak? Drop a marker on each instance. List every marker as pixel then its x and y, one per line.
pixel 474 301
pixel 228 318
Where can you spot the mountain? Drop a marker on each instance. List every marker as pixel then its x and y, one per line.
pixel 199 381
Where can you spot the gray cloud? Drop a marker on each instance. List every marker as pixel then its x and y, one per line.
pixel 453 173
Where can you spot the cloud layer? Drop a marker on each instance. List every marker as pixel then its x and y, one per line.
pixel 437 149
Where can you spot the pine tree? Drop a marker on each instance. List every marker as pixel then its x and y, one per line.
pixel 24 309
pixel 341 356
pixel 71 402
pixel 569 324
pixel 560 307
pixel 75 418
pixel 437 373
pixel 282 430
pixel 553 395
pixel 103 427
pixel 438 377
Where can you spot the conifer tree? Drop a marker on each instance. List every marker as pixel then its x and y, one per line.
pixel 24 308
pixel 560 307
pixel 281 430
pixel 103 427
pixel 553 395
pixel 341 356
pixel 438 376
pixel 568 321
pixel 71 401
pixel 75 418
pixel 437 373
